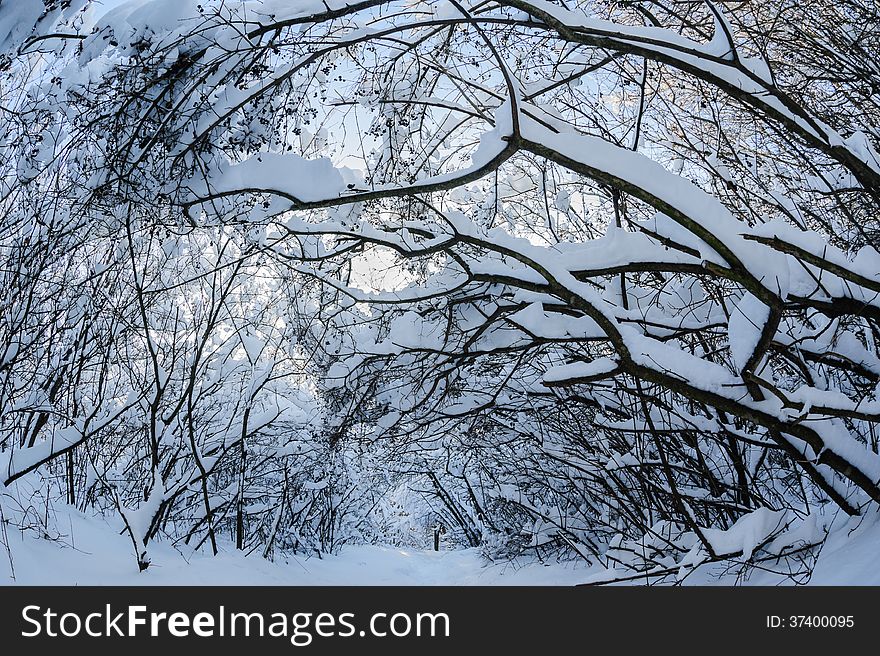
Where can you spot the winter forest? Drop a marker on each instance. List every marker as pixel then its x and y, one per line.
pixel 590 287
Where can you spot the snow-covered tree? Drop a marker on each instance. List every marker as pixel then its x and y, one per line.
pixel 588 275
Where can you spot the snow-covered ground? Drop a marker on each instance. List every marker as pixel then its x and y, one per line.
pixel 95 554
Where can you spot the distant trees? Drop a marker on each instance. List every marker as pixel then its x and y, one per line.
pixel 588 275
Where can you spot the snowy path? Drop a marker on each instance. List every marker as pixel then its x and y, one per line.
pixel 100 556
